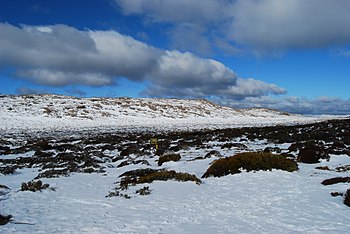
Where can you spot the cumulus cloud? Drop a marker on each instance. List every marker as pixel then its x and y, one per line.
pixel 262 25
pixel 59 55
pixel 285 24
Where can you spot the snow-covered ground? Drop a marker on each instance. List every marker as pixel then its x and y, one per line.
pixel 250 202
pixel 260 202
pixel 53 113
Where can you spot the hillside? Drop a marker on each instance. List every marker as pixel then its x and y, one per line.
pixel 61 113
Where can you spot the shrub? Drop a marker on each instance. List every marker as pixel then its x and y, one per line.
pixel 250 161
pixel 323 168
pixel 148 175
pixel 34 186
pixel 8 170
pixel 144 191
pixel 347 198
pixel 168 175
pixel 336 180
pixel 312 153
pixel 168 158
pixel 4 219
pixel 343 168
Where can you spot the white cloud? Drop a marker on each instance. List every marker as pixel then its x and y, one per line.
pixel 262 25
pixel 270 24
pixel 58 55
pixel 320 105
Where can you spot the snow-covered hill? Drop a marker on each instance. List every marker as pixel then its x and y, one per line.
pixel 59 113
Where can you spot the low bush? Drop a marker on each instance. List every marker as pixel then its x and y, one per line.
pixel 168 175
pixel 336 180
pixel 168 158
pixel 141 176
pixel 4 219
pixel 144 191
pixel 347 198
pixel 34 186
pixel 148 175
pixel 250 161
pixel 343 168
pixel 323 168
pixel 312 152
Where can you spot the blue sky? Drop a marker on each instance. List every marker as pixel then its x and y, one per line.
pixel 288 55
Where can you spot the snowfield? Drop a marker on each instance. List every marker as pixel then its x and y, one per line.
pixel 100 139
pixel 53 113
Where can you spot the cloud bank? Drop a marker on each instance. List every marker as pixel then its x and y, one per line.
pixel 262 26
pixel 320 105
pixel 59 55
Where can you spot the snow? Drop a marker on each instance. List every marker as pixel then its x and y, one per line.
pixel 255 202
pixel 45 114
pixel 261 202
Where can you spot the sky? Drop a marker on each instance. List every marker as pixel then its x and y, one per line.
pixel 291 55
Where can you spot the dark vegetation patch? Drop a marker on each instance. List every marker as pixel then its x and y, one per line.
pixel 144 191
pixel 34 186
pixel 7 170
pixel 312 152
pixel 148 175
pixel 5 219
pixel 336 194
pixel 168 158
pixel 323 168
pixel 342 168
pixel 239 146
pixel 91 152
pixel 133 162
pixel 336 180
pixel 347 198
pixel 251 161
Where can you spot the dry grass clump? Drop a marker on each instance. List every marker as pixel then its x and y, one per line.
pixel 34 186
pixel 141 176
pixel 168 158
pixel 347 198
pixel 250 161
pixel 148 175
pixel 168 175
